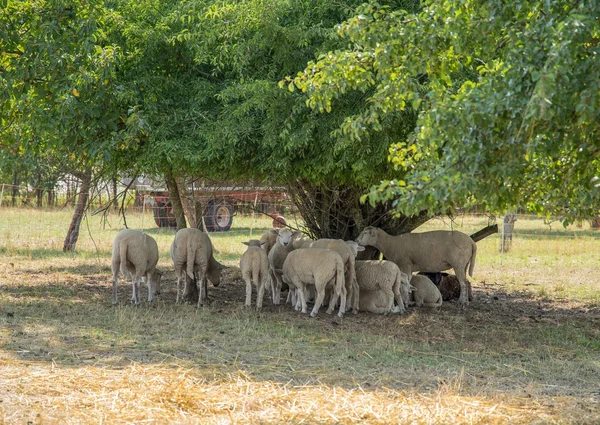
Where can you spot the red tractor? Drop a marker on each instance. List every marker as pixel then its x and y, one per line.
pixel 220 204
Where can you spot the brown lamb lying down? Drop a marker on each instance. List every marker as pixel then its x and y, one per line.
pixel 448 285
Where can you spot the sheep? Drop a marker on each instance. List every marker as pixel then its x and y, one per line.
pixel 377 302
pixel 254 266
pixel 277 255
pixel 192 254
pixel 425 293
pixel 135 254
pixel 348 251
pixel 268 239
pixel 448 285
pixel 430 252
pixel 319 267
pixel 385 277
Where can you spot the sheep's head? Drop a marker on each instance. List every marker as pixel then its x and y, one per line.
pixel 155 282
pixel 254 242
pixel 284 237
pixel 214 275
pixel 368 236
pixel 355 247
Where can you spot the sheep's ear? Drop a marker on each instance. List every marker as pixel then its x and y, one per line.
pixel 221 266
pixel 360 248
pixel 262 243
pixel 275 231
pixel 246 243
pixel 412 288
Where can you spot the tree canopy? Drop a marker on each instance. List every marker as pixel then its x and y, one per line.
pixel 507 95
pixel 447 104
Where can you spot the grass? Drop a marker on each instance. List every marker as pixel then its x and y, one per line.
pixel 526 351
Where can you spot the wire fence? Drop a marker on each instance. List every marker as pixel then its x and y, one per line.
pixel 39 218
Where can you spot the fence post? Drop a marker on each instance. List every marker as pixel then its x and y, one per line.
pixel 507 231
pixel 2 195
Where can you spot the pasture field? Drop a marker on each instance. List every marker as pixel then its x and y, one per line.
pixel 526 351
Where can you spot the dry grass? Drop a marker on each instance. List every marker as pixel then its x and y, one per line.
pixel 527 350
pixel 160 394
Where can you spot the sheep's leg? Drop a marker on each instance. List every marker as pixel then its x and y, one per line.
pixel 334 297
pixel 343 298
pixel 148 283
pixel 178 283
pixel 115 283
pixel 135 296
pixel 201 291
pixel 277 291
pixel 273 286
pixel 389 298
pixel 260 294
pixel 319 300
pixel 248 302
pixel 296 288
pixel 355 290
pixel 463 299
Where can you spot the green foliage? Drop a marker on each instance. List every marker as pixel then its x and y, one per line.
pixel 507 93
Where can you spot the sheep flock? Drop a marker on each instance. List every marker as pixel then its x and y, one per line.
pixel 324 272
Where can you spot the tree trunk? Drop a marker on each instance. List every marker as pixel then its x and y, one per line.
pixel 51 198
pixel 80 207
pixel 336 212
pixel 15 188
pixel 175 201
pixel 187 203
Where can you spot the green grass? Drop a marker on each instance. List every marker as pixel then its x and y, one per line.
pixel 526 350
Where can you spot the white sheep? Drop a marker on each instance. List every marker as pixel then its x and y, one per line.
pixel 377 302
pixel 192 254
pixel 425 294
pixel 135 254
pixel 429 251
pixel 348 251
pixel 277 255
pixel 383 277
pixel 320 267
pixel 254 266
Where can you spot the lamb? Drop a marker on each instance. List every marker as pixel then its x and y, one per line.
pixel 254 266
pixel 277 255
pixel 425 293
pixel 348 251
pixel 382 282
pixel 377 302
pixel 135 254
pixel 192 254
pixel 430 252
pixel 320 267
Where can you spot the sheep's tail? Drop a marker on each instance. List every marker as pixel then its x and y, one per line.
pixel 191 259
pixel 256 271
pixel 123 254
pixel 472 261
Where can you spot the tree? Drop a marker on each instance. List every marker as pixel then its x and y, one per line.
pixel 256 130
pixel 507 94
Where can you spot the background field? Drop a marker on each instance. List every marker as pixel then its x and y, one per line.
pixel 526 351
